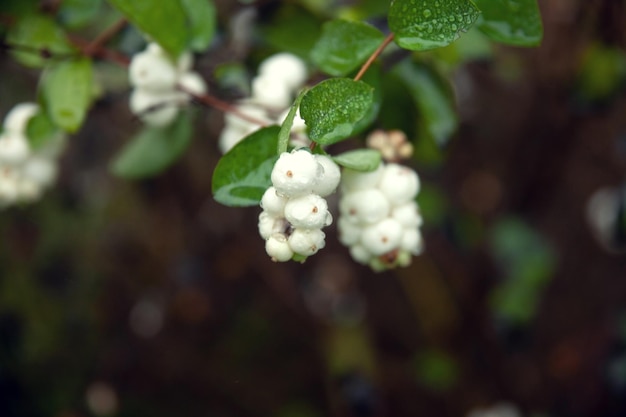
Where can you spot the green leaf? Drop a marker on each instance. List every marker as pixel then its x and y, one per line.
pixel 428 24
pixel 78 13
pixel 514 22
pixel 436 107
pixel 154 149
pixel 344 45
pixel 35 35
pixel 292 29
pixel 285 128
pixel 164 21
pixel 40 130
pixel 332 107
pixel 202 20
pixel 243 174
pixel 66 89
pixel 359 159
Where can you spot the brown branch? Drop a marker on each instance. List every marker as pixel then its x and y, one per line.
pixel 373 57
pixel 102 39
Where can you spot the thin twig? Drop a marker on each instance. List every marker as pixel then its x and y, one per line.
pixel 95 46
pixel 373 57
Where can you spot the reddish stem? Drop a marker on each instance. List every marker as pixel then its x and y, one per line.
pixel 373 57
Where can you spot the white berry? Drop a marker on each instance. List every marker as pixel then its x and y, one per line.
pixel 14 148
pixel 382 237
pixel 295 173
pixel 192 82
pixel 271 92
pixel 309 211
pixel 156 108
pixel 307 242
pixel 286 67
pixel 399 183
pixel 152 70
pixel 365 206
pixel 329 178
pixel 278 248
pixel 357 180
pixel 273 203
pixel 17 119
pixel 407 214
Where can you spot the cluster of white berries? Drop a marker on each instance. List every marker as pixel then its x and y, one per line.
pixel 294 208
pixel 279 79
pixel 25 172
pixel 379 218
pixel 160 84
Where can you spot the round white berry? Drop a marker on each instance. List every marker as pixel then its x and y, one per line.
pixel 287 68
pixel 307 242
pixel 42 171
pixel 360 254
pixel 357 180
pixel 349 232
pixel 382 237
pixel 278 248
pixel 329 178
pixel 152 70
pixel 399 183
pixel 192 82
pixel 272 203
pixel 412 241
pixel 364 206
pixel 407 214
pixel 271 92
pixel 295 173
pixel 308 211
pixel 268 224
pixel 17 119
pixel 156 109
pixel 184 62
pixel 14 148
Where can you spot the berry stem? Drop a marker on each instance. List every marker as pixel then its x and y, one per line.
pixel 373 57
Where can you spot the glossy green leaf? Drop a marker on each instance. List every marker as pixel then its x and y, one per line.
pixel 154 149
pixel 164 21
pixel 332 107
pixel 285 128
pixel 427 24
pixel 243 174
pixel 359 159
pixel 34 37
pixel 78 13
pixel 345 45
pixel 515 22
pixel 66 89
pixel 435 105
pixel 201 15
pixel 40 130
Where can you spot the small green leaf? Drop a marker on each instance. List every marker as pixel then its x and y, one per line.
pixel 202 19
pixel 243 174
pixel 345 45
pixel 514 22
pixel 40 130
pixel 154 149
pixel 429 24
pixel 67 91
pixel 436 107
pixel 34 36
pixel 164 21
pixel 78 13
pixel 292 29
pixel 359 159
pixel 285 128
pixel 332 107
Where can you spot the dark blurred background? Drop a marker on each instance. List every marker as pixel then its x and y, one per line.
pixel 148 298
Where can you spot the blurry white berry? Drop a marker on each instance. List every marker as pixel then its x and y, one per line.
pixel 360 254
pixel 382 237
pixel 329 178
pixel 399 183
pixel 278 248
pixel 156 109
pixel 250 110
pixel 307 242
pixel 153 71
pixel 286 67
pixel 272 203
pixel 295 173
pixel 28 190
pixel 14 148
pixel 192 82
pixel 17 119
pixel 412 241
pixel 298 126
pixel 308 211
pixel 364 206
pixel 185 62
pixel 8 185
pixel 41 170
pixel 349 232
pixel 271 92
pixel 357 180
pixel 407 214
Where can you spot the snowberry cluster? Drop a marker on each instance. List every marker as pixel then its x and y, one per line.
pixel 160 85
pixel 279 79
pixel 379 219
pixel 294 208
pixel 25 172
